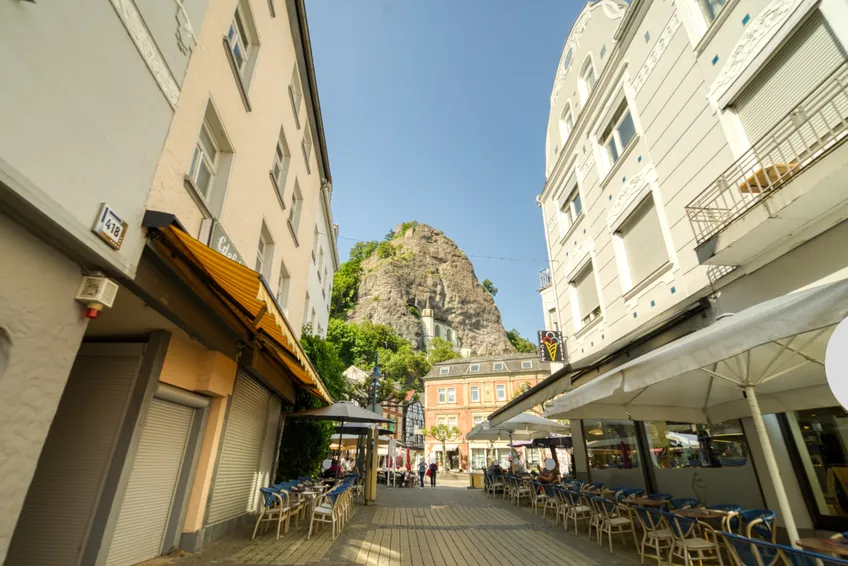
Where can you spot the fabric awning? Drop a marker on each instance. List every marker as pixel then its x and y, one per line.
pixel 246 290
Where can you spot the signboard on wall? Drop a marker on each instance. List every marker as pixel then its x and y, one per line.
pixel 551 346
pixel 214 236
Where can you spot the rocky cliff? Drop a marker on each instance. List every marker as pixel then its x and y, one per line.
pixel 421 267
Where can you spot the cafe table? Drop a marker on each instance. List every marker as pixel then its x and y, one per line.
pixel 701 514
pixel 646 502
pixel 833 547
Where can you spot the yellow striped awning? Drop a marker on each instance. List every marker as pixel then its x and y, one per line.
pixel 247 289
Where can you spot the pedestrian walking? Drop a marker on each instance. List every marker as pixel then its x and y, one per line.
pixel 422 471
pixel 434 467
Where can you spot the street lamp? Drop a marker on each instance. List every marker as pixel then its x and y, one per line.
pixel 375 376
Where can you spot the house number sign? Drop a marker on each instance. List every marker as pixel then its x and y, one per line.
pixel 109 227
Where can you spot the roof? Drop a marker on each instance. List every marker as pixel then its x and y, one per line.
pixel 512 364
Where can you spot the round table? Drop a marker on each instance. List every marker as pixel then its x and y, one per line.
pixel 701 514
pixel 833 547
pixel 646 502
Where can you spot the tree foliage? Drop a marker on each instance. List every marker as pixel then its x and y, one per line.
pixel 347 278
pixel 490 287
pixel 444 434
pixel 440 350
pixel 521 344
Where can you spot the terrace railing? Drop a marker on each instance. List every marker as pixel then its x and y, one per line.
pixel 811 130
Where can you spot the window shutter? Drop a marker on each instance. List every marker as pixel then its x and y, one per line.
pixel 808 58
pixel 587 292
pixel 644 244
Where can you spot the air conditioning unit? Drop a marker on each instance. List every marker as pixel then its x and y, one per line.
pixel 96 292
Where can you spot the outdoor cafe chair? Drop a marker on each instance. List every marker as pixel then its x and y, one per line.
pixel 552 501
pixel 656 534
pixel 625 493
pixel 538 496
pixel 661 496
pixel 596 515
pixel 494 484
pixel 693 540
pixel 684 503
pixel 275 508
pixel 759 523
pixel 576 509
pixel 730 522
pixel 615 520
pixel 745 551
pixel 329 508
pixel 561 503
pixel 521 490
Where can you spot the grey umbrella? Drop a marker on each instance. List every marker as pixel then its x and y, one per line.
pixel 343 412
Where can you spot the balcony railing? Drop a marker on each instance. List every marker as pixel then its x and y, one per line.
pixel 814 128
pixel 545 278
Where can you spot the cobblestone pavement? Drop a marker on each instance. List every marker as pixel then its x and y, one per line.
pixel 446 526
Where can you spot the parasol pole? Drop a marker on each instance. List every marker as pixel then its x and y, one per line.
pixel 339 452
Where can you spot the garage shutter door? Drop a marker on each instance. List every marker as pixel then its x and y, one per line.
pixel 236 478
pixel 150 491
pixel 807 59
pixel 644 244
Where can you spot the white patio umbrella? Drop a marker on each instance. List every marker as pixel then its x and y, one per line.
pixel 769 357
pixel 533 425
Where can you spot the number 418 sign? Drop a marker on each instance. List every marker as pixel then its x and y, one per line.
pixel 109 227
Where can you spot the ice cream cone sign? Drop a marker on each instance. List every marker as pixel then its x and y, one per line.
pixel 550 346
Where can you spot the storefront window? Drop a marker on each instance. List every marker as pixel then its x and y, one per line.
pixel 821 436
pixel 532 456
pixel 611 444
pixel 478 458
pixel 686 445
pixel 502 456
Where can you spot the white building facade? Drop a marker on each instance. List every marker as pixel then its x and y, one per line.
pixel 695 167
pixel 325 263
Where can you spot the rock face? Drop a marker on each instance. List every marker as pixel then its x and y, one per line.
pixel 426 269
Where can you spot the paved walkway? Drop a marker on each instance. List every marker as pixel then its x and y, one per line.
pixel 445 526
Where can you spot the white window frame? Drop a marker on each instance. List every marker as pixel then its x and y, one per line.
pixel 444 371
pixel 496 368
pixel 565 128
pixel 315 243
pixel 526 364
pixel 453 421
pixel 696 22
pixel 474 391
pixel 583 88
pixel 296 95
pixel 583 319
pixel 474 368
pixel 498 390
pixel 295 209
pixel 306 147
pixel 442 420
pixel 620 250
pixel 238 37
pixel 610 135
pixel 477 419
pixel 443 396
pixel 451 394
pixel 320 262
pixel 264 251
pixel 280 168
pixel 567 207
pixel 283 288
pixel 201 158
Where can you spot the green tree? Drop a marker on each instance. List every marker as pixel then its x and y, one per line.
pixel 440 350
pixel 347 278
pixel 521 344
pixel 444 434
pixel 490 287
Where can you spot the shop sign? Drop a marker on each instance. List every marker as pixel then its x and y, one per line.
pixel 550 346
pixel 219 241
pixel 836 363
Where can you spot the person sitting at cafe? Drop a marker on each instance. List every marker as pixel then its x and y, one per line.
pixel 334 470
pixel 518 466
pixel 495 468
pixel 548 476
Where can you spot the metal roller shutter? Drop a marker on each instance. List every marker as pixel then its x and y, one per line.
pixel 587 292
pixel 150 492
pixel 269 447
pixel 807 59
pixel 644 244
pixel 235 479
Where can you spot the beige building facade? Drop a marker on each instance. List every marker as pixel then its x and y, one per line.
pixel 165 411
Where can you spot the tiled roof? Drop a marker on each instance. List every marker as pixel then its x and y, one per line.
pixel 512 363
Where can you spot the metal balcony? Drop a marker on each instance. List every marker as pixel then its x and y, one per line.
pixel 810 132
pixel 545 280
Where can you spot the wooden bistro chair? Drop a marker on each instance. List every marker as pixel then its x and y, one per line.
pixel 276 508
pixel 694 541
pixel 656 534
pixel 329 508
pixel 615 520
pixel 576 509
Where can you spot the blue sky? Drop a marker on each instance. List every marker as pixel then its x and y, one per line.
pixel 436 111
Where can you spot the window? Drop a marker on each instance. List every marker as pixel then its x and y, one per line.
pixel 570 208
pixel 711 9
pixel 312 318
pixel 283 284
pixel 685 445
pixel 478 419
pixel 498 366
pixel 451 395
pixel 447 395
pixel 320 263
pixel 205 161
pixel 296 95
pixel 501 391
pixel 452 421
pixel 320 331
pixel 475 394
pixel 553 323
pixel 282 158
pixel 526 364
pixel 438 331
pixel 587 80
pixel 566 124
pixel 444 371
pixel 306 146
pixel 474 368
pixel 611 444
pixel 443 395
pixel 618 133
pixel 567 62
pixel 264 252
pixel 294 211
pixel 305 309
pixel 586 293
pixel 237 36
pixel 442 421
pixel 821 437
pixel 644 245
